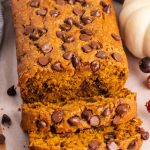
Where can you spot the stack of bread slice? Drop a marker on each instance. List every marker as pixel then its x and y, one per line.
pixel 72 69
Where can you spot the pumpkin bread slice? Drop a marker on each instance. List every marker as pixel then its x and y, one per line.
pixel 80 113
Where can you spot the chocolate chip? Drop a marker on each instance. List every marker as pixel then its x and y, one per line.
pixel 115 37
pixel 2 139
pixel 6 120
pixel 86 48
pixel 60 35
pixel 41 124
pixel 43 61
pixel 46 48
pixel 81 1
pixel 54 13
pixel 60 2
pixel 34 37
pixel 107 9
pixel 28 30
pixel 85 37
pixel 103 4
pixel 69 21
pixel 74 121
pixel 86 20
pixel 106 112
pixel 144 135
pixel 65 27
pixel 122 108
pixel 71 2
pixel 41 31
pixel 78 24
pixel 78 12
pixel 69 39
pixel 93 145
pixel 112 146
pixel 116 56
pixel 41 12
pixel 35 3
pixel 101 55
pixel 94 121
pixel 63 47
pixel 96 45
pixel 57 116
pixel 95 13
pixel 86 31
pixel 132 145
pixel 57 66
pixel 12 91
pixel 68 55
pixel 110 135
pixel 95 66
pixel 116 119
pixel 76 62
pixel 86 4
pixel 86 114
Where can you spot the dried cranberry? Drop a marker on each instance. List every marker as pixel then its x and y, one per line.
pixel 148 106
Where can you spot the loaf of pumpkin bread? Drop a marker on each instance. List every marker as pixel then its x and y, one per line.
pixel 122 137
pixel 79 113
pixel 68 48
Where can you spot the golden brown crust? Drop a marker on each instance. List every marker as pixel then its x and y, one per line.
pixel 68 78
pixel 79 113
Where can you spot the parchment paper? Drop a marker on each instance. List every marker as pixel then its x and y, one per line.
pixel 15 138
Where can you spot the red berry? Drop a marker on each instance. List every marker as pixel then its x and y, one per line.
pixel 148 82
pixel 148 106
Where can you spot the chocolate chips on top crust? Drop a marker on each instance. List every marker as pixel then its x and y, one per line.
pixel 43 61
pixel 76 61
pixel 68 55
pixel 60 2
pixel 54 13
pixel 46 48
pixel 87 32
pixel 65 27
pixel 35 3
pixel 41 12
pixel 86 48
pixel 95 66
pixel 85 37
pixel 116 37
pixel 57 66
pixel 116 56
pixel 101 54
pixel 96 45
pixel 87 20
pixel 78 12
pixel 106 7
pixel 69 21
pixel 95 13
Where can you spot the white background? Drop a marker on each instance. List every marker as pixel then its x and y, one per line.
pixel 15 139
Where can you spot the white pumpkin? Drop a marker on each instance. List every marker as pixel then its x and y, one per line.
pixel 135 26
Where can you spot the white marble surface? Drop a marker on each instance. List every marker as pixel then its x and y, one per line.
pixel 15 139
